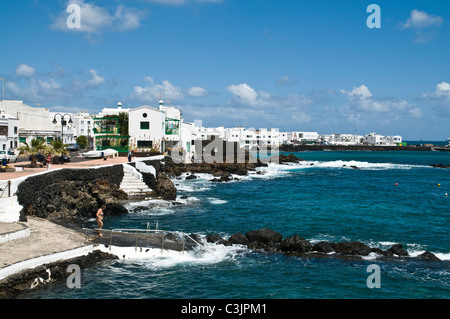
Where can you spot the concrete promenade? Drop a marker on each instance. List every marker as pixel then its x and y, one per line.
pixel 30 244
pixel 79 163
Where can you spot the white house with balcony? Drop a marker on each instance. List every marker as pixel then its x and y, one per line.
pixel 146 127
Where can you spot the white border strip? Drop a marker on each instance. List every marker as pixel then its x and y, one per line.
pixel 14 235
pixel 38 261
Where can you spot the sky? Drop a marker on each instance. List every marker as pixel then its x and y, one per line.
pixel 292 65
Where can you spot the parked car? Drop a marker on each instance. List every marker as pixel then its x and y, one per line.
pixel 39 158
pixel 73 147
pixel 10 156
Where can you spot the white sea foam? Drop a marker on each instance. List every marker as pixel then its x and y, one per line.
pixel 217 201
pixel 162 258
pixel 354 164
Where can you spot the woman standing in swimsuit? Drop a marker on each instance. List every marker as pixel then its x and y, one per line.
pixel 99 219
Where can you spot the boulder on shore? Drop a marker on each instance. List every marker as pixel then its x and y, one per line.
pixel 296 243
pixel 323 247
pixel 352 248
pixel 264 236
pixel 238 239
pixel 427 256
pixel 397 249
pixel 165 187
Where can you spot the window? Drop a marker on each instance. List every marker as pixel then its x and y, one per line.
pixel 146 144
pixel 15 129
pixel 144 115
pixel 145 125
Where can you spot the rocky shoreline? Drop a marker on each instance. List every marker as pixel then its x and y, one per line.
pixel 44 276
pixel 267 240
pixel 71 198
pixel 305 148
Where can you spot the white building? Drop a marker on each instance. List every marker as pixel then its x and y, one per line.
pixel 33 122
pixel 340 139
pixel 113 111
pixel 374 139
pixel 146 127
pixel 83 125
pixel 9 132
pixel 173 121
pixel 187 141
pixel 302 137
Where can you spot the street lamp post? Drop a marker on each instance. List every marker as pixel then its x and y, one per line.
pixel 62 123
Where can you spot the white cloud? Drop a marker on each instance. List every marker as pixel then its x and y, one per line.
pixel 196 91
pixel 95 19
pixel 416 112
pixel 181 2
pixel 154 92
pixel 443 89
pixel 422 20
pixel 51 87
pixel 96 79
pixel 245 93
pixel 422 23
pixel 361 92
pixel 361 99
pixel 24 70
pixel 286 81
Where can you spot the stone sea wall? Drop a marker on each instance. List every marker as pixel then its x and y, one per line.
pixel 68 196
pixel 44 276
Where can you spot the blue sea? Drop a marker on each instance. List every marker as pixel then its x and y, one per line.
pixel 393 197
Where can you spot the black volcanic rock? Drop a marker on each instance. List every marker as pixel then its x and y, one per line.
pixel 238 239
pixel 427 256
pixel 323 247
pixel 398 250
pixel 296 243
pixel 352 248
pixel 264 236
pixel 165 187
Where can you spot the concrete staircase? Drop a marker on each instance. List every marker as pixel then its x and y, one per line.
pixel 135 188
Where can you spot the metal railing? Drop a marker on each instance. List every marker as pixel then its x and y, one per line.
pixel 5 189
pixel 136 232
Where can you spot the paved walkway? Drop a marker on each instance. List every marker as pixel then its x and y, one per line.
pixel 46 238
pixel 85 163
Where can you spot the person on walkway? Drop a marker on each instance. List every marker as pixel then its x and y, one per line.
pixel 99 219
pixel 129 156
pixel 49 162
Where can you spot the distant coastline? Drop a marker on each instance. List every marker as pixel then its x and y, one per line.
pixel 302 148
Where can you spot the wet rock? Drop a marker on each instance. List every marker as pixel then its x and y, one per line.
pixel 428 256
pixel 165 187
pixel 296 243
pixel 398 250
pixel 282 158
pixel 238 239
pixel 323 247
pixel 352 248
pixel 216 239
pixel 264 236
pixel 440 165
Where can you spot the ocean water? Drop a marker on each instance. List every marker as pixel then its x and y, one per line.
pixel 393 197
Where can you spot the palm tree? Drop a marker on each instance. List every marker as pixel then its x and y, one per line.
pixel 37 146
pixel 59 148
